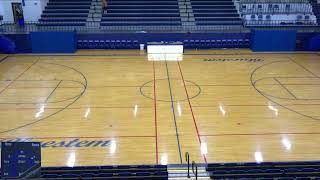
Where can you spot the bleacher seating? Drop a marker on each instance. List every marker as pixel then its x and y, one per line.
pixel 316 9
pixel 216 43
pixel 293 13
pixel 220 12
pixel 65 13
pixel 265 170
pixel 142 13
pixel 157 172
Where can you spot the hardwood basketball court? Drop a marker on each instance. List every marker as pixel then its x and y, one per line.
pixel 125 107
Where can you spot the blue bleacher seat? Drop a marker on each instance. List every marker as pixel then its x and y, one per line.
pixel 71 13
pixel 143 174
pixel 222 12
pixel 141 13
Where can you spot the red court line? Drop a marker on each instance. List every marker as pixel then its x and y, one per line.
pixel 18 76
pixel 262 134
pixel 79 137
pixel 194 119
pixel 155 110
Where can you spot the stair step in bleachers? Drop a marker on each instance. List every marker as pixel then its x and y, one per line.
pixel 221 12
pixel 142 13
pixel 69 3
pixel 121 15
pixel 65 13
pixel 68 7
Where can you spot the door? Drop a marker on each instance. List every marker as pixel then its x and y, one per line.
pixel 17 11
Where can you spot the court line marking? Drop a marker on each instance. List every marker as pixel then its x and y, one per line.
pixel 52 91
pixel 155 110
pixel 96 87
pixel 285 88
pixel 264 105
pixel 304 68
pixel 173 113
pixel 261 134
pixel 285 98
pixel 44 118
pixel 80 137
pixel 92 107
pixel 163 100
pixel 3 59
pixel 63 100
pixel 289 84
pixel 18 77
pixel 190 106
pixel 273 101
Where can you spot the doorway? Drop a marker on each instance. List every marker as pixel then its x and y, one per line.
pixel 17 11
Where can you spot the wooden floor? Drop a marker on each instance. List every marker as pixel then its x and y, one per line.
pixel 125 107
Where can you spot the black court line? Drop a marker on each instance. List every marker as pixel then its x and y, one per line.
pixel 305 68
pixel 4 58
pixel 285 88
pixel 18 77
pixel 66 107
pixel 271 100
pixel 53 91
pixel 173 113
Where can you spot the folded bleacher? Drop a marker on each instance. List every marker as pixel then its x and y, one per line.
pixel 142 13
pixel 217 12
pixel 157 172
pixel 265 170
pixel 65 13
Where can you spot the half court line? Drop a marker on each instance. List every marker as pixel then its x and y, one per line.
pixel 173 113
pixel 190 106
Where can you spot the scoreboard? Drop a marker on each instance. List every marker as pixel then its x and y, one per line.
pixel 20 159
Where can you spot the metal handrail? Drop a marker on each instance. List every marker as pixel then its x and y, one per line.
pixel 188 161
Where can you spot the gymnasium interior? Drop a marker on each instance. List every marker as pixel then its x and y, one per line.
pixel 160 89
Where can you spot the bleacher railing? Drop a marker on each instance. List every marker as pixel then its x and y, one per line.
pixel 280 23
pixel 271 1
pixel 302 9
pixel 96 27
pixel 12 28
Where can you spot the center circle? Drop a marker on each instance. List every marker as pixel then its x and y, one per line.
pixel 167 88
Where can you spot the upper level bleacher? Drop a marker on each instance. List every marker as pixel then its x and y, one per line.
pixel 220 12
pixel 141 13
pixel 277 13
pixel 65 13
pixel 173 15
pixel 316 9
